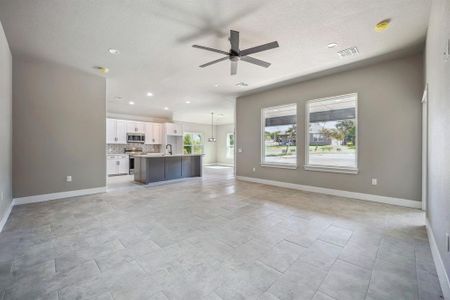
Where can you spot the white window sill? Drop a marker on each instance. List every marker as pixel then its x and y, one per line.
pixel 331 169
pixel 281 166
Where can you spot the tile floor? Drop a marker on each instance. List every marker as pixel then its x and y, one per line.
pixel 215 238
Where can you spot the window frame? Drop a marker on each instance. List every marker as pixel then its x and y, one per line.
pixel 263 163
pixel 230 148
pixel 326 168
pixel 192 145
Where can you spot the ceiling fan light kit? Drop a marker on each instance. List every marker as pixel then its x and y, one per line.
pixel 235 54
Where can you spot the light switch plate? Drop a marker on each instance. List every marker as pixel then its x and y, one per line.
pixel 374 181
pixel 69 178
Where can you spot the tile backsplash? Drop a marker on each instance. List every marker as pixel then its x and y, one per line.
pixel 119 148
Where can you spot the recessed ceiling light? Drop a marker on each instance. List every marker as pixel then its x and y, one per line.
pixel 166 108
pixel 188 102
pixel 103 70
pixel 331 45
pixel 242 84
pixel 113 51
pixel 131 102
pixel 383 25
pixel 216 85
pixel 149 94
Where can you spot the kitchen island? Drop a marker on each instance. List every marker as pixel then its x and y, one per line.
pixel 159 167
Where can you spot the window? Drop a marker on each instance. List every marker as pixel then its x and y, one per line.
pixel 279 136
pixel 331 136
pixel 230 145
pixel 192 143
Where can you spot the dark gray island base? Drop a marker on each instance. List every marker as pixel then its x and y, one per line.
pixel 153 168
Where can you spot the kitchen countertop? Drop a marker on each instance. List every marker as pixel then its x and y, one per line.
pixel 150 155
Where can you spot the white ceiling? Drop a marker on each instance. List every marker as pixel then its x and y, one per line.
pixel 155 38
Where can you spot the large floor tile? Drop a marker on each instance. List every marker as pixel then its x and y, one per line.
pixel 214 237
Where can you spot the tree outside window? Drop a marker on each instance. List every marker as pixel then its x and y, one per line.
pixel 193 143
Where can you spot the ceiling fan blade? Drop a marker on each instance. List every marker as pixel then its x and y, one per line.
pixel 234 65
pixel 214 62
pixel 210 49
pixel 234 40
pixel 259 48
pixel 255 61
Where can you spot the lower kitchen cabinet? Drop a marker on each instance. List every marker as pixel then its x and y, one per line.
pixel 117 164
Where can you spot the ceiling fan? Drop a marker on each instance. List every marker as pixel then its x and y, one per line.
pixel 235 54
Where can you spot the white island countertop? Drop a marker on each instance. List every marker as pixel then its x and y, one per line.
pixel 150 155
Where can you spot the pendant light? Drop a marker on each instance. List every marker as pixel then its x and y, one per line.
pixel 212 139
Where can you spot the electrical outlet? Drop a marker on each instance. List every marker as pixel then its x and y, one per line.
pixel 374 181
pixel 69 179
pixel 254 169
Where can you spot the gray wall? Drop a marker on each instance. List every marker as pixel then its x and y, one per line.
pixel 389 128
pixel 59 128
pixel 221 144
pixel 5 124
pixel 438 78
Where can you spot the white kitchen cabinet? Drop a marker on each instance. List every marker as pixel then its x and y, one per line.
pixel 174 129
pixel 135 127
pixel 157 133
pixel 116 131
pixel 153 133
pixel 117 164
pixel 121 130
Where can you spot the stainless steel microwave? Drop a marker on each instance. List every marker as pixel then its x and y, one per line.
pixel 136 138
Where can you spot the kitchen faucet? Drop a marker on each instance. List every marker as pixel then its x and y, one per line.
pixel 170 151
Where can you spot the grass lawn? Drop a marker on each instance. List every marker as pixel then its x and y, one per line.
pixel 331 149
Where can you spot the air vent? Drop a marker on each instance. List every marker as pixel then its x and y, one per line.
pixel 352 51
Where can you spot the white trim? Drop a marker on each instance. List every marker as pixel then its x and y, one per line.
pixel 440 268
pixel 342 170
pixel 263 131
pixel 281 166
pixel 6 216
pixel 307 128
pixel 55 196
pixel 339 193
pixel 424 147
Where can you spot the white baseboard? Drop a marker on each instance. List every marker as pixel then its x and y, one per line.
pixel 55 196
pixel 440 268
pixel 6 216
pixel 339 193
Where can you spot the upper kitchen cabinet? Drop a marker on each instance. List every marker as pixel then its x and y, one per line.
pixel 116 131
pixel 174 129
pixel 153 134
pixel 135 127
